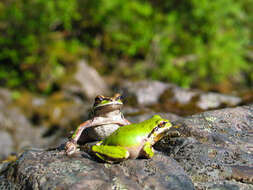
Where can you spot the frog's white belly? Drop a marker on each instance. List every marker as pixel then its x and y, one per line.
pixel 101 132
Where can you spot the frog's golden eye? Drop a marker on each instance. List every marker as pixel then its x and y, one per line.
pixel 162 124
pixel 118 97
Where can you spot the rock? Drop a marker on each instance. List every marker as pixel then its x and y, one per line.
pixel 214 100
pixel 231 127
pixel 5 96
pixel 226 185
pixel 61 110
pixel 6 145
pixel 184 102
pixel 144 92
pixel 85 81
pixel 17 131
pixel 215 148
pixel 166 97
pixel 212 150
pixel 182 96
pixel 39 169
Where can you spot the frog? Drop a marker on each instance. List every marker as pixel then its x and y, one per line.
pixel 106 117
pixel 132 141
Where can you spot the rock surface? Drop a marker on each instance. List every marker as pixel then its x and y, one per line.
pixel 144 92
pixel 212 150
pixel 6 145
pixel 16 132
pixel 85 81
pixel 46 170
pixel 36 121
pixel 215 148
pixel 171 98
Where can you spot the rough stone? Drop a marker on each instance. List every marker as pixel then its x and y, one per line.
pixel 144 92
pixel 6 144
pixel 214 100
pixel 86 81
pixel 38 169
pixel 215 148
pixel 18 132
pixel 171 98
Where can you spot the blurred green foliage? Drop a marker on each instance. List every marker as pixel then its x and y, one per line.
pixel 183 41
pixel 34 41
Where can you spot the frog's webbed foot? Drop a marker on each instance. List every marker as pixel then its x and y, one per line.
pixel 71 148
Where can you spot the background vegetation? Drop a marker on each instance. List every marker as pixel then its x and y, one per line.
pixel 184 41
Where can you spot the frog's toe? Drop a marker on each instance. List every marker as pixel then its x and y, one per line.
pixel 70 152
pixel 70 148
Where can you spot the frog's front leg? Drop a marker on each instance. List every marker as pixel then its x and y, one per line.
pixel 110 154
pixel 147 151
pixel 72 144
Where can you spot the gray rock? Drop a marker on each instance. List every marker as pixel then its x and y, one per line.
pixel 144 92
pixel 5 96
pixel 231 127
pixel 215 148
pixel 226 185
pixel 215 100
pixel 204 101
pixel 54 170
pixel 168 97
pixel 17 131
pixel 6 144
pixel 183 96
pixel 86 80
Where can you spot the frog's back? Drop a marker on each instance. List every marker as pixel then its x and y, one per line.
pixel 133 134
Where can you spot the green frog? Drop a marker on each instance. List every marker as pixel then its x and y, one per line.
pixel 132 141
pixel 106 118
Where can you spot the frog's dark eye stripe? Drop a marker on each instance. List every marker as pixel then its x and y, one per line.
pixel 154 130
pixel 99 98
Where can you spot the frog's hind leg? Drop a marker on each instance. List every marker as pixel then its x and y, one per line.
pixel 110 153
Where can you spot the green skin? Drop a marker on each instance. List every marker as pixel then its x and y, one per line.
pixel 132 141
pixel 106 118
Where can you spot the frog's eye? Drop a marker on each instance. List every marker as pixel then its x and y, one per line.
pixel 118 97
pixel 162 124
pixel 98 99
